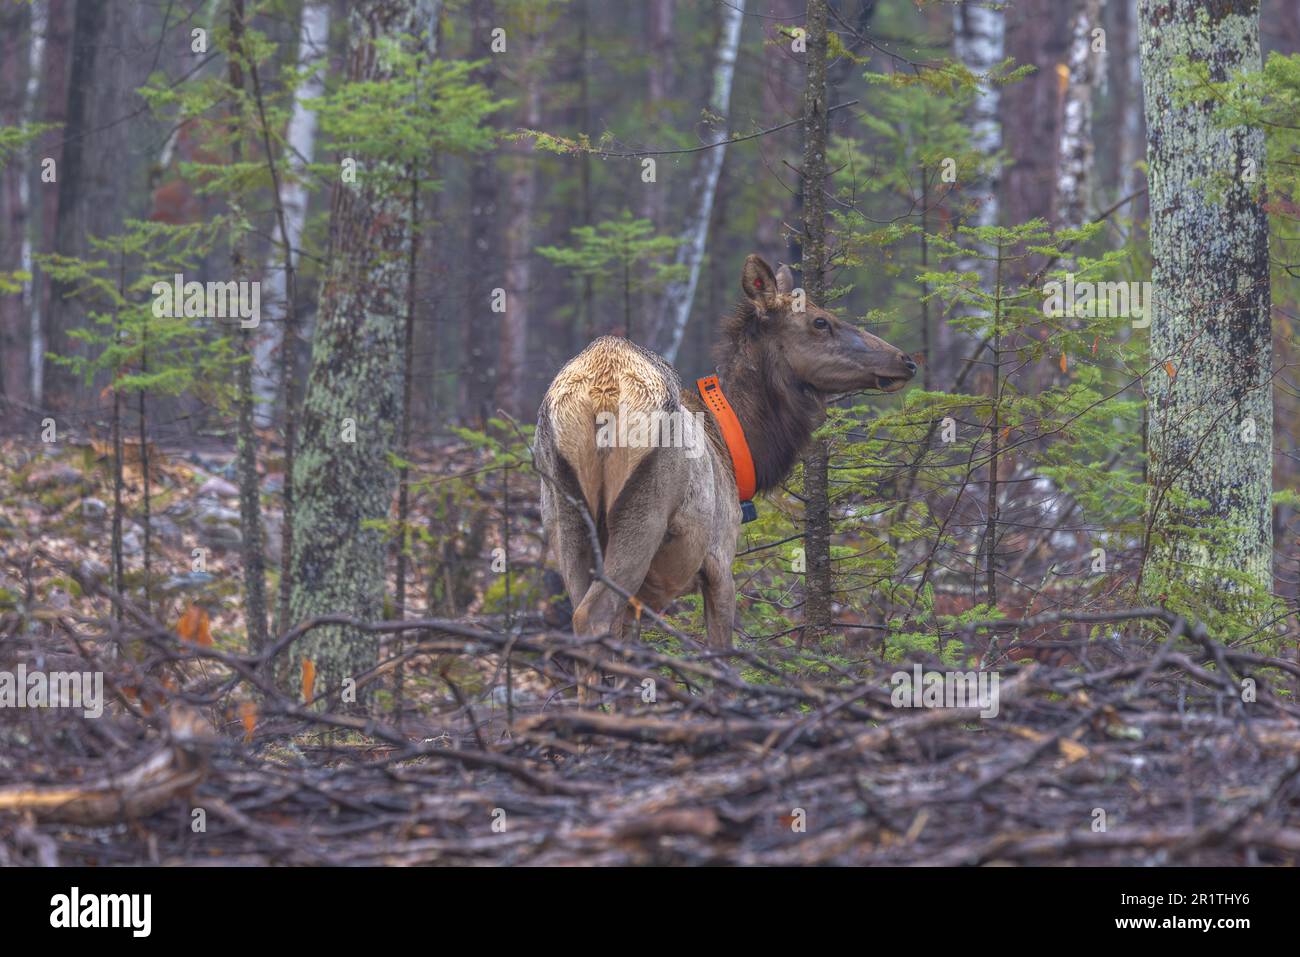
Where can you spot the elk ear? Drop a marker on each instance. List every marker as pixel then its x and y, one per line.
pixel 757 281
pixel 784 280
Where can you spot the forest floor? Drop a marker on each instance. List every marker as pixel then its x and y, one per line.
pixel 473 749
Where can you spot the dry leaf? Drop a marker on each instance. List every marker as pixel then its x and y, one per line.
pixel 1063 361
pixel 248 718
pixel 189 623
pixel 1169 368
pixel 1072 750
pixel 308 680
pixel 1028 733
pixel 195 626
pixel 918 825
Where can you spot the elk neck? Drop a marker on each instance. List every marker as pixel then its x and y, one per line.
pixel 776 411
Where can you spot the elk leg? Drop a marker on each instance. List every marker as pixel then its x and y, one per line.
pixel 573 552
pixel 719 590
pixel 600 613
pixel 637 528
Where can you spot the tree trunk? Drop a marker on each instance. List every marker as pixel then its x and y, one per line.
pixel 1030 111
pixel 678 297
pixel 92 201
pixel 587 331
pixel 313 38
pixel 782 84
pixel 1076 147
pixel 352 406
pixel 1210 409
pixel 17 29
pixel 408 363
pixel 978 35
pixel 1130 144
pixel 522 195
pixel 90 24
pixel 817 518
pixel 478 367
pixel 54 109
pixel 658 89
pixel 250 509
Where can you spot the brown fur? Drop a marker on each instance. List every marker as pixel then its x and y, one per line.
pixel 667 522
pixel 608 373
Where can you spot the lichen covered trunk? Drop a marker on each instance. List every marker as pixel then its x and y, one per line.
pixel 349 420
pixel 1210 420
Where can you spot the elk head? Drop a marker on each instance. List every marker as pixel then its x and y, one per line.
pixel 823 353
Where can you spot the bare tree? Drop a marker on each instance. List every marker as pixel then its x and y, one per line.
pixel 17 23
pixel 250 511
pixel 660 69
pixel 978 41
pixel 678 297
pixel 478 367
pixel 521 193
pixel 816 466
pixel 313 37
pixel 1076 146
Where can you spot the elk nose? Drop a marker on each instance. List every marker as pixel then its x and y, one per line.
pixel 911 366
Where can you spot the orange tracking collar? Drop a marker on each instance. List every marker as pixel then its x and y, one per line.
pixel 741 461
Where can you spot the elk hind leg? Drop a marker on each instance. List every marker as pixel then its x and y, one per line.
pixel 636 532
pixel 719 590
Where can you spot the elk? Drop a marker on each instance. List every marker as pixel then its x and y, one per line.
pixel 667 517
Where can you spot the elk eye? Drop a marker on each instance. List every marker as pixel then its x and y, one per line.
pixel 821 323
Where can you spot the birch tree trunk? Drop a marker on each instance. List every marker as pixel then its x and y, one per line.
pixel 352 406
pixel 1210 409
pixel 679 297
pixel 31 294
pixel 313 39
pixel 1076 147
pixel 978 41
